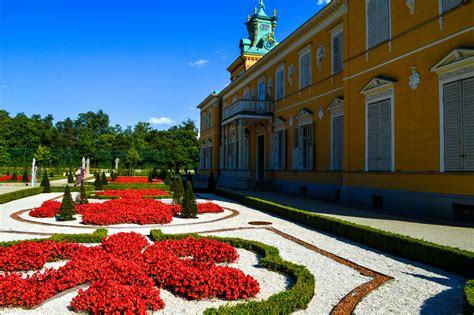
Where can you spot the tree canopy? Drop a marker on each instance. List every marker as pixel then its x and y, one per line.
pixel 91 135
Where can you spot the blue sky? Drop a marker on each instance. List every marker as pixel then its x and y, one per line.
pixel 138 60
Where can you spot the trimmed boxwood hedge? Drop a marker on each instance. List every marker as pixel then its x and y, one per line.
pixel 102 197
pixel 448 258
pixel 15 195
pixel 93 238
pixel 469 297
pixel 286 302
pixel 123 186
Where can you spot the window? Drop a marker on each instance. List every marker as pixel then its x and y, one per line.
pixel 279 150
pixel 295 156
pixel 246 93
pixel 450 4
pixel 337 52
pixel 210 118
pixel 337 142
pixel 379 136
pixel 280 83
pixel 303 147
pixel 305 68
pixel 261 90
pixel 459 125
pixel 378 22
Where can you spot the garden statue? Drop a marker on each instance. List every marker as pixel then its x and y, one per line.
pixel 83 162
pixel 33 172
pixel 116 164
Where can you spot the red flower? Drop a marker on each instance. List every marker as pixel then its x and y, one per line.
pixel 209 207
pixel 133 193
pixel 119 271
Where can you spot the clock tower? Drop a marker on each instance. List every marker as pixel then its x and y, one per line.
pixel 260 40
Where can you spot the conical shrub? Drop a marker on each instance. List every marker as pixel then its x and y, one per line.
pixel 24 178
pixel 178 191
pixel 103 179
pixel 167 178
pixel 150 177
pixel 45 183
pixel 70 178
pixel 14 177
pixel 211 182
pixel 68 207
pixel 81 199
pixel 189 205
pixel 98 182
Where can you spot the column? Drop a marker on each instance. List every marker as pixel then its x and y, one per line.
pixel 241 143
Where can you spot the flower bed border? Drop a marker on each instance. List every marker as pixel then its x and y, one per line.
pixel 86 238
pixel 293 299
pixel 469 297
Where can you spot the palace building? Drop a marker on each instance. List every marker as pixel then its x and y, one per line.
pixel 370 102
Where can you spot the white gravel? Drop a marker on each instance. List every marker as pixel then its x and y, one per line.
pixel 416 288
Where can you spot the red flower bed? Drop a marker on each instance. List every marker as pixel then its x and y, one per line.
pixel 9 178
pixel 48 209
pixel 124 273
pixel 119 211
pixel 134 179
pixel 209 207
pixel 132 193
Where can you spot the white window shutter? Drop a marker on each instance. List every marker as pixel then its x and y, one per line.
pixel 452 127
pixel 280 78
pixel 383 20
pixel 300 148
pixel 305 70
pixel 337 53
pixel 372 24
pixel 450 4
pixel 372 136
pixel 295 159
pixel 468 124
pixel 283 148
pixel 337 142
pixel 385 136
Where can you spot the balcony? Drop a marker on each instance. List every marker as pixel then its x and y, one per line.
pixel 248 107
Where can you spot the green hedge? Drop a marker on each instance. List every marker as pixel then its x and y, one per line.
pixel 93 238
pixel 19 194
pixel 14 195
pixel 101 197
pixel 448 258
pixel 286 302
pixel 123 186
pixel 469 297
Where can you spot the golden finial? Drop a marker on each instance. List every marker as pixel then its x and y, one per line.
pixel 274 12
pixel 255 10
pixel 248 17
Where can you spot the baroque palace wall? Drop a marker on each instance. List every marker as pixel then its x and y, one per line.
pixel 368 102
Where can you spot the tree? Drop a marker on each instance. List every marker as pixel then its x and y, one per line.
pixel 167 178
pixel 45 183
pixel 24 178
pixel 189 178
pixel 150 177
pixel 81 199
pixel 132 158
pixel 113 176
pixel 189 205
pixel 178 191
pixel 68 207
pixel 103 179
pixel 98 182
pixel 14 177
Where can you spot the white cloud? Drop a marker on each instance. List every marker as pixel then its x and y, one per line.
pixel 160 121
pixel 321 2
pixel 199 63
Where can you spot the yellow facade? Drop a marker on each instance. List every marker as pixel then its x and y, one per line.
pixel 425 47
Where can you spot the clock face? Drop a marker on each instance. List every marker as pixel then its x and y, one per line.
pixel 269 41
pixel 268 45
pixel 264 27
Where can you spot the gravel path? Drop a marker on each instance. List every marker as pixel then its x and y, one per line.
pixel 416 288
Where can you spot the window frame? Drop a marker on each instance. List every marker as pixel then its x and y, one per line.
pixel 280 68
pixel 261 92
pixel 335 32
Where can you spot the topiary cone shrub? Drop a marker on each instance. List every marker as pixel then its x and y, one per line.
pixel 45 183
pixel 68 207
pixel 189 178
pixel 178 191
pixel 98 182
pixel 103 179
pixel 112 175
pixel 24 178
pixel 14 177
pixel 150 177
pixel 211 182
pixel 189 205
pixel 81 199
pixel 70 178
